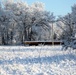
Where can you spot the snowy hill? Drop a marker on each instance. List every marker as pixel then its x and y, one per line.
pixel 37 60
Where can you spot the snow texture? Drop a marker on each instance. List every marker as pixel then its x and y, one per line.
pixel 37 60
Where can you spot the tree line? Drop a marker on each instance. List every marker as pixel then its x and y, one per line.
pixel 21 22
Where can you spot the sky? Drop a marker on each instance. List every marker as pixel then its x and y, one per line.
pixel 58 7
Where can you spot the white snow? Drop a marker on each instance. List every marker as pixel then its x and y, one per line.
pixel 37 60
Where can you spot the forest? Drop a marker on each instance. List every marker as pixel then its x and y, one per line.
pixel 21 22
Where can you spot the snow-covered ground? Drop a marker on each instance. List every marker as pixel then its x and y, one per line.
pixel 37 60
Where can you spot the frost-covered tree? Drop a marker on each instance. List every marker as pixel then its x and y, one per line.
pixel 70 24
pixel 42 26
pixel 74 19
pixel 68 28
pixel 3 25
pixel 19 21
pixel 16 21
pixel 40 19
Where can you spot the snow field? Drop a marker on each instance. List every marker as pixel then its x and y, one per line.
pixel 37 60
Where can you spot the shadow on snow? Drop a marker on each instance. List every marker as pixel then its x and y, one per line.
pixel 40 60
